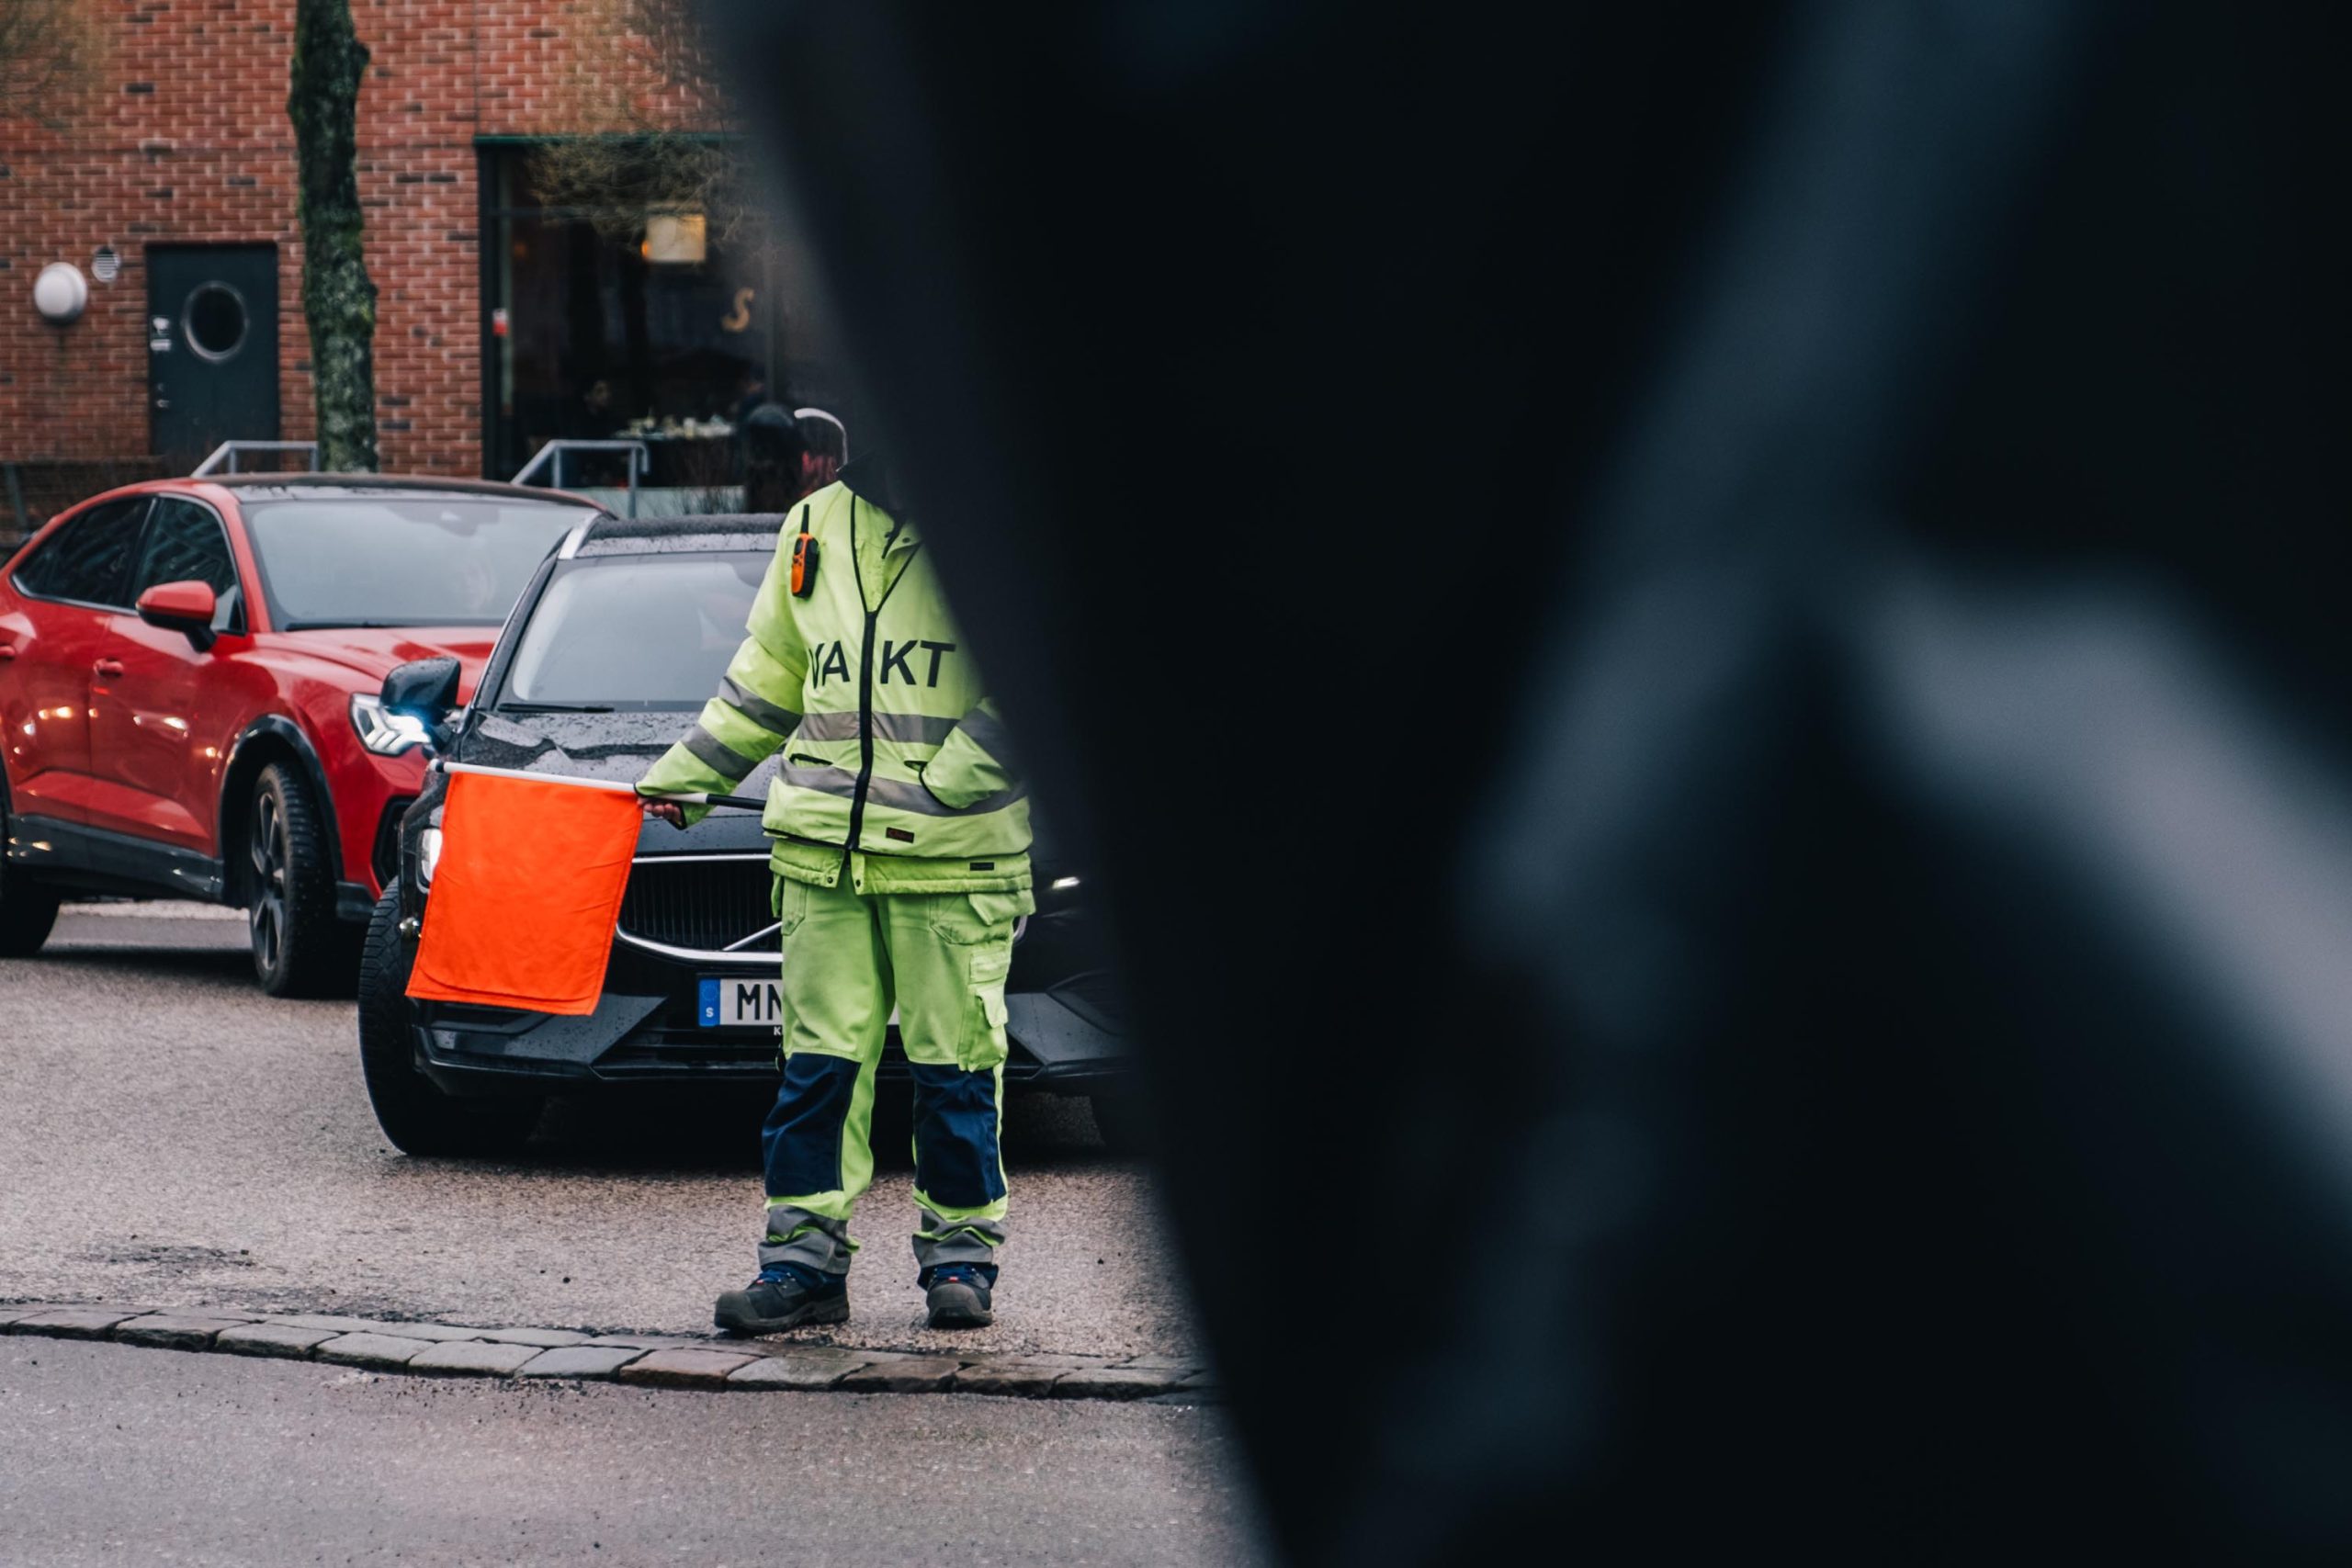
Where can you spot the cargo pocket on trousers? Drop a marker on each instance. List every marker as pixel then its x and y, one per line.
pixel 977 919
pixel 983 1045
pixel 1001 909
pixel 788 902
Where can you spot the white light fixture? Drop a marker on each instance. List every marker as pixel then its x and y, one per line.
pixel 61 293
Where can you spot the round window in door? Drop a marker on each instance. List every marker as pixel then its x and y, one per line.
pixel 214 320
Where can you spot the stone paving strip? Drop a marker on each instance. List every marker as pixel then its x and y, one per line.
pixel 648 1361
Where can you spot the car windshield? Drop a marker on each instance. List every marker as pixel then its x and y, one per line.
pixel 623 632
pixel 400 560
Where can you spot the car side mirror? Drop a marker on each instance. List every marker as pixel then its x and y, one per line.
pixel 182 607
pixel 426 687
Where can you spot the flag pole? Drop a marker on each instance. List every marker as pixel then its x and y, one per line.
pixel 614 786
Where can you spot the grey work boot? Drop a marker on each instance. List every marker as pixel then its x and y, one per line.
pixel 785 1295
pixel 958 1295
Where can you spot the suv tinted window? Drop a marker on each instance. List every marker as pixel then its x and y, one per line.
pixel 89 558
pixel 184 543
pixel 635 631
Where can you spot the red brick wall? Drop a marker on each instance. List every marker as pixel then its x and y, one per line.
pixel 187 139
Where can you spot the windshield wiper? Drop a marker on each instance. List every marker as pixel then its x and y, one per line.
pixel 551 707
pixel 348 626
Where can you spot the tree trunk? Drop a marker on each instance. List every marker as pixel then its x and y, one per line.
pixel 338 300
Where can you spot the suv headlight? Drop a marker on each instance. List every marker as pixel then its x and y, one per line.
pixel 388 732
pixel 428 855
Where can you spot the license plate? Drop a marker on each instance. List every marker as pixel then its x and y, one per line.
pixel 729 1003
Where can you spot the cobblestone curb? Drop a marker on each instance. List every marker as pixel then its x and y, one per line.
pixel 646 1360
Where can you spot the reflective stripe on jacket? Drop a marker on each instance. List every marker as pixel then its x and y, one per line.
pixel 890 747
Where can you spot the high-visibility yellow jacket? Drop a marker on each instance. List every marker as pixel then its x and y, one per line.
pixel 896 773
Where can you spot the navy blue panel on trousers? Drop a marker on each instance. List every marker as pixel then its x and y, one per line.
pixel 802 1137
pixel 955 1158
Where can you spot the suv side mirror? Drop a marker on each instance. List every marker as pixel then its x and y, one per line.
pixel 181 607
pixel 427 687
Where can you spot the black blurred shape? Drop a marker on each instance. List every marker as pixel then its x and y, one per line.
pixel 1704 640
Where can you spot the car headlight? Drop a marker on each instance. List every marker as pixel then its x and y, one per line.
pixel 428 855
pixel 388 732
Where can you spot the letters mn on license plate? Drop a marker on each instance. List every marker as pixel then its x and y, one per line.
pixel 728 1002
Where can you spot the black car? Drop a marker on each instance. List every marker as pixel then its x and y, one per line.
pixel 621 636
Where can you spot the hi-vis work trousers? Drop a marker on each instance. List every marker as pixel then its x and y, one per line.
pixel 849 958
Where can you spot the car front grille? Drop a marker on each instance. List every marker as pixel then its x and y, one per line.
pixel 704 904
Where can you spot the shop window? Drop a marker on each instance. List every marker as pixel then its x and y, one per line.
pixel 668 330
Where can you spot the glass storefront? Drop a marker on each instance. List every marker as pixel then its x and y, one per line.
pixel 667 332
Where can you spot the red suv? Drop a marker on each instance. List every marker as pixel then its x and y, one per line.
pixel 189 672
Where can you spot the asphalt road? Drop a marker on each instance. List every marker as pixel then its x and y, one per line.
pixel 110 1453
pixel 170 1136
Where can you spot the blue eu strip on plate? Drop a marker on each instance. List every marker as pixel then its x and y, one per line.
pixel 706 1005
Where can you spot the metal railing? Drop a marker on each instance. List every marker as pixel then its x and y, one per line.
pixel 228 451
pixel 552 455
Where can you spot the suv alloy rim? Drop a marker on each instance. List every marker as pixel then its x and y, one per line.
pixel 269 912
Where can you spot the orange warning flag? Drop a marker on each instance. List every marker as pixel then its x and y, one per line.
pixel 526 895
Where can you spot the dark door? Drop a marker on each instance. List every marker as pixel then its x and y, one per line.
pixel 212 347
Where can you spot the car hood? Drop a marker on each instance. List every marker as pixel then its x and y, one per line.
pixel 585 745
pixel 375 654
pixel 612 746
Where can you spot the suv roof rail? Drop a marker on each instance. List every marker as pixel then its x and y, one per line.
pixel 228 452
pixel 604 528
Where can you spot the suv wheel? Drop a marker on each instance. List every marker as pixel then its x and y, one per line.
pixel 300 948
pixel 418 1118
pixel 27 908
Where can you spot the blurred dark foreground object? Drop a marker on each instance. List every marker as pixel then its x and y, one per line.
pixel 1702 645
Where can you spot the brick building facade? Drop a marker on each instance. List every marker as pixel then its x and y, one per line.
pixel 186 143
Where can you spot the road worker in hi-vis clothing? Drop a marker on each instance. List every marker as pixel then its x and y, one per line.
pixel 901 865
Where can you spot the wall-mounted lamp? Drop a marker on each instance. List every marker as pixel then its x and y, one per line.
pixel 61 293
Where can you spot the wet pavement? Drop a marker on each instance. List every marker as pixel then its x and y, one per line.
pixel 171 1136
pixel 119 1454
